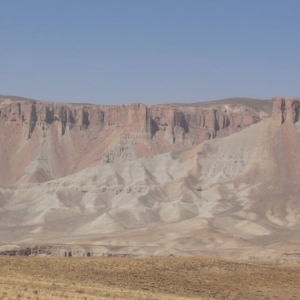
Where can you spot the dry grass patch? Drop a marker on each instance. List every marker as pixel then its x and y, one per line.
pixel 145 278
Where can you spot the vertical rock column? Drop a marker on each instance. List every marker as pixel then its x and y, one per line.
pixel 286 109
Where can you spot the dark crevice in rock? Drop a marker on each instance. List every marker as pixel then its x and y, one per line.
pixel 154 127
pixel 282 108
pixel 85 118
pixel 217 127
pixel 32 120
pixel 295 107
pixel 179 120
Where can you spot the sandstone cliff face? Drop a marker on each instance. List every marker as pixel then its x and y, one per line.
pixel 193 125
pixel 286 109
pixel 41 141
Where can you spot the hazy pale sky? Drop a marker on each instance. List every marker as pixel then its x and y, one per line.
pixel 149 51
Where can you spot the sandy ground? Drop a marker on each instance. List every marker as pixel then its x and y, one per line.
pixel 160 278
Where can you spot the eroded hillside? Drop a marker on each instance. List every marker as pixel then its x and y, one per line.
pixel 41 141
pixel 237 196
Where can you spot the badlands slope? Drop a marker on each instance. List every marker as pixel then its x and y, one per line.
pixel 42 141
pixel 235 196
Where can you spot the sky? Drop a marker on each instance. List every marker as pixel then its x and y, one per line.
pixel 149 51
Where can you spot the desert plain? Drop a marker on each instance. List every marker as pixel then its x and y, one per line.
pixel 146 279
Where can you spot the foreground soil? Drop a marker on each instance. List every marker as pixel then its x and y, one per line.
pixel 145 278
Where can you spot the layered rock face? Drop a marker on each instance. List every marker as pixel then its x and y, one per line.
pixel 193 125
pixel 236 196
pixel 42 140
pixel 286 109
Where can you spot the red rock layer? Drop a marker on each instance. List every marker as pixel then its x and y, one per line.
pixel 42 141
pixel 286 109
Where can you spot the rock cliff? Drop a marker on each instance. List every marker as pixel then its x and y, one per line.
pixel 286 109
pixel 43 140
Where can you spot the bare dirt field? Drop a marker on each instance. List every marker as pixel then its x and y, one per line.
pixel 145 278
